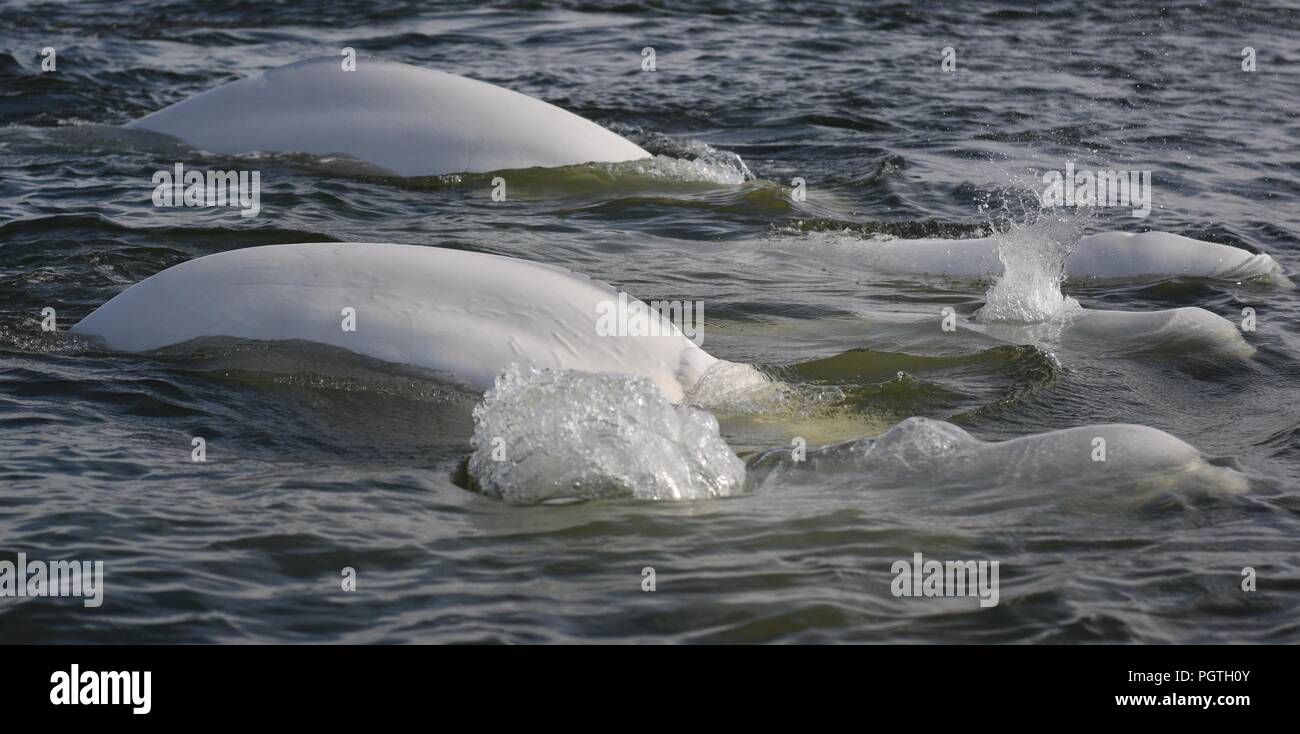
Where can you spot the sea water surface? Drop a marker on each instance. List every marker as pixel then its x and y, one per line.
pixel 318 460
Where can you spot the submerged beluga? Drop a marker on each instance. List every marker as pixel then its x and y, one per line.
pixel 1100 256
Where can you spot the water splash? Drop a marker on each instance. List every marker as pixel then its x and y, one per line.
pixel 715 171
pixel 1033 268
pixel 562 434
pixel 682 160
pixel 1033 243
pixel 736 388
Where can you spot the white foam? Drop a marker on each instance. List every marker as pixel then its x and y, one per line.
pixel 546 435
pixel 1028 290
pixel 685 169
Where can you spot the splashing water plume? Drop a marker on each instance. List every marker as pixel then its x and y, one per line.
pixel 548 435
pixel 1033 248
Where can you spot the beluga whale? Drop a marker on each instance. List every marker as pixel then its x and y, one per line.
pixel 531 334
pixel 1100 256
pixel 466 315
pixel 403 119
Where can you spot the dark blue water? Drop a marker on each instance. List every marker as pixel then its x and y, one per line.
pixel 320 460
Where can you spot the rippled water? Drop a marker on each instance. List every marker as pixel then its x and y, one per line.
pixel 320 460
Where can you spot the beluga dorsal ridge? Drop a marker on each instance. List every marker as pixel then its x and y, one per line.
pixel 467 315
pixel 400 118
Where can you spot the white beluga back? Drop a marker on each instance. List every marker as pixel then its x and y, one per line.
pixel 403 119
pixel 466 314
pixel 1103 256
